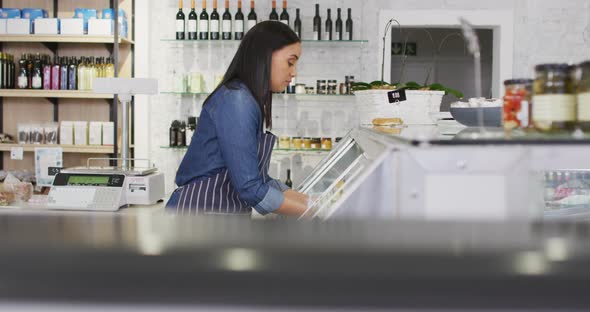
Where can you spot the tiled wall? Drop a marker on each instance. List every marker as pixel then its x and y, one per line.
pixel 545 31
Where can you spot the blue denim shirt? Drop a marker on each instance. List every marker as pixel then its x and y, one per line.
pixel 227 136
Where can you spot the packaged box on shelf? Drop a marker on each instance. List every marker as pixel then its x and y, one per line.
pixel 95 133
pixel 10 13
pixel 18 26
pixel 66 133
pixel 3 26
pixel 80 133
pixel 108 133
pixel 109 13
pixel 123 25
pixel 33 15
pixel 99 27
pixel 72 26
pixel 47 26
pixel 86 15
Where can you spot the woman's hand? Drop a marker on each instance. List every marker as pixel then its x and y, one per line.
pixel 295 204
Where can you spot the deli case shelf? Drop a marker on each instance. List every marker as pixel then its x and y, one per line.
pixel 433 173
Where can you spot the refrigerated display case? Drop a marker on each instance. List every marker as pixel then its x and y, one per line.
pixel 438 173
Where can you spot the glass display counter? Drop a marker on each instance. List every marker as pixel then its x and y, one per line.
pixel 437 173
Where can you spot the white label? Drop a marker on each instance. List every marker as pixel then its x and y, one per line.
pixel 22 82
pixel 327 36
pixel 204 25
pixel 286 22
pixel 37 82
pixel 251 23
pixel 338 35
pixel 226 26
pixel 584 106
pixel 16 153
pixel 215 26
pixel 239 26
pixel 523 114
pixel 347 35
pixel 554 107
pixel 179 25
pixel 316 35
pixel 192 26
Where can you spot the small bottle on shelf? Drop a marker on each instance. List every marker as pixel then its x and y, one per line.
pixel 338 26
pixel 82 73
pixel 274 16
pixel 297 24
pixel 285 14
pixel 288 182
pixel 63 73
pixel 180 22
pixel 204 23
pixel 37 73
pixel 181 135
pixel 23 73
pixel 317 24
pixel 47 74
pixel 192 22
pixel 239 23
pixel 252 17
pixel 55 73
pixel 348 35
pixel 226 21
pixel 72 74
pixel 214 23
pixel 110 68
pixel 329 26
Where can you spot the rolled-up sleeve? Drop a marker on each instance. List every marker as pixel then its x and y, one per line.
pixel 237 120
pixel 276 184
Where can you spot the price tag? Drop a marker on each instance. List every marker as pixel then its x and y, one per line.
pixel 16 153
pixel 396 96
pixel 53 171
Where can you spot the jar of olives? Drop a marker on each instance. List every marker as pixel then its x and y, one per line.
pixel 554 100
pixel 583 96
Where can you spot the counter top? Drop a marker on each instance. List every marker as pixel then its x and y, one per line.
pixel 157 258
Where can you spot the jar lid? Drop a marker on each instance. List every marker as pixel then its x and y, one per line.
pixel 300 84
pixel 552 67
pixel 332 81
pixel 518 81
pixel 322 80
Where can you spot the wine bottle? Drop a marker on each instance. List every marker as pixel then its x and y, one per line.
pixel 288 182
pixel 47 74
pixel 252 18
pixel 180 22
pixel 329 26
pixel 64 74
pixel 273 14
pixel 72 74
pixel 239 23
pixel 214 23
pixel 297 24
pixel 204 23
pixel 226 28
pixel 349 26
pixel 37 73
pixel 192 22
pixel 284 14
pixel 338 26
pixel 55 70
pixel 317 24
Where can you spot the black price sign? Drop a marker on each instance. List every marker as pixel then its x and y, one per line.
pixel 53 171
pixel 396 96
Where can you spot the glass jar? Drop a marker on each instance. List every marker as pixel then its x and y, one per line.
pixel 554 101
pixel 297 143
pixel 349 80
pixel 321 87
pixel 309 90
pixel 517 102
pixel 306 143
pixel 327 144
pixel 583 96
pixel 332 86
pixel 300 88
pixel 284 142
pixel 316 143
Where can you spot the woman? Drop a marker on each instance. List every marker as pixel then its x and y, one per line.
pixel 225 170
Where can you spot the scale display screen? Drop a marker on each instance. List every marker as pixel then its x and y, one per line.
pixel 88 180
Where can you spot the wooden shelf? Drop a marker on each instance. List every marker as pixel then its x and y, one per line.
pixel 79 149
pixel 63 39
pixel 63 94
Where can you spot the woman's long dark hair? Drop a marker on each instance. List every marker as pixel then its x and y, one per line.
pixel 252 62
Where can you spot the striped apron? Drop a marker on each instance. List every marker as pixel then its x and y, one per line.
pixel 216 194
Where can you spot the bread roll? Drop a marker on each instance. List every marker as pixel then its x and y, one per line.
pixel 387 121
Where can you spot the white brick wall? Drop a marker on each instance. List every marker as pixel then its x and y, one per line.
pixel 545 31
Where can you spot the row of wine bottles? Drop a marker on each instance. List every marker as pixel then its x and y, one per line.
pixel 208 27
pixel 64 73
